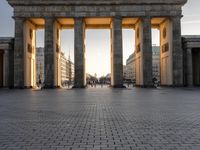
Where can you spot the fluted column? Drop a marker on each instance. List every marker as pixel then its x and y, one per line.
pixel 49 53
pixel 116 53
pixel 177 52
pixel 143 53
pixel 79 54
pixel 2 70
pixel 57 57
pixel 189 68
pixel 19 53
pixel 147 52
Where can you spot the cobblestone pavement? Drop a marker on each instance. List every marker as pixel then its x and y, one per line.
pixel 100 119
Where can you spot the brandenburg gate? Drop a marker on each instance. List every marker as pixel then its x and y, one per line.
pixel 139 15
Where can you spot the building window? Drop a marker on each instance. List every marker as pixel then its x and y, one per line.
pixel 29 48
pixel 57 33
pixel 57 48
pixel 165 48
pixel 164 32
pixel 138 33
pixel 31 34
pixel 138 48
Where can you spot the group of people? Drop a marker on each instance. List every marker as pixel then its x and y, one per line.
pixel 94 84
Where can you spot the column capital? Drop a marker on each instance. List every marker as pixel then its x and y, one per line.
pixel 189 49
pixel 116 22
pixel 50 18
pixel 79 18
pixel 19 18
pixel 175 18
pixel 146 19
pixel 117 17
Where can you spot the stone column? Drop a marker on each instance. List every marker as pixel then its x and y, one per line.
pixel 29 54
pixel 79 54
pixel 5 68
pixel 11 64
pixel 189 68
pixel 177 53
pixel 144 53
pixel 49 53
pixel 57 51
pixel 116 53
pixel 147 52
pixel 19 53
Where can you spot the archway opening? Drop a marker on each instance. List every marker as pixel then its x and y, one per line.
pixel 67 57
pixel 129 75
pixel 196 66
pixel 40 66
pixel 98 63
pixel 1 68
pixel 155 56
pixel 129 51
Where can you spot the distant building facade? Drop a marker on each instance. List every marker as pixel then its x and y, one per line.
pixel 156 62
pixel 63 68
pixel 125 72
pixel 40 64
pixel 67 70
pixel 66 67
pixel 130 69
pixel 70 70
pixel 6 62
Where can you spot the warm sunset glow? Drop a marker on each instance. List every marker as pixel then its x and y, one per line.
pixel 98 41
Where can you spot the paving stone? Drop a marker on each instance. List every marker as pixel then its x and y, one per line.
pixel 100 119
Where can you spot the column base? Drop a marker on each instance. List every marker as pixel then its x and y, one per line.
pixel 145 86
pixel 172 86
pixel 188 85
pixel 21 87
pixel 79 87
pixel 51 87
pixel 117 86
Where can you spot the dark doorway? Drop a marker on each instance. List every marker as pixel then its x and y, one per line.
pixel 1 68
pixel 196 66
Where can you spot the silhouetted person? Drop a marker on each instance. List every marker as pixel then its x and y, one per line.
pixel 68 84
pixel 95 84
pixel 102 84
pixel 40 83
pixel 155 82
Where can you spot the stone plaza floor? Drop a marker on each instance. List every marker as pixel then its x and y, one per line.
pixel 100 119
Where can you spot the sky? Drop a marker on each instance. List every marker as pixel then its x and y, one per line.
pixel 98 41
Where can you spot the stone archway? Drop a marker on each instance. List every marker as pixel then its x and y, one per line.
pixel 196 66
pixel 1 68
pixel 79 11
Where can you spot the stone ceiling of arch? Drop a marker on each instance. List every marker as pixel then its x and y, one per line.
pixel 96 8
pixel 78 2
pixel 95 23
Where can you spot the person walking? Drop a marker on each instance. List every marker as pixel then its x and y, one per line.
pixel 40 83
